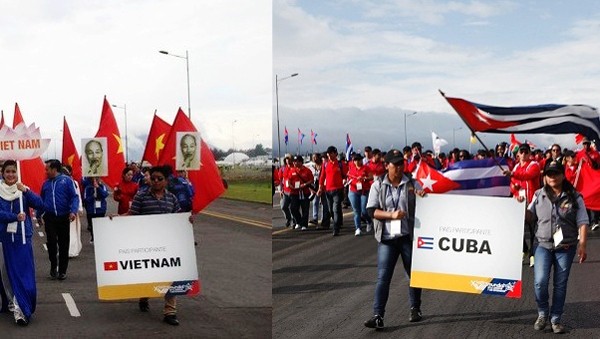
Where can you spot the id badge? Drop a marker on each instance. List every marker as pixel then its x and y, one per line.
pixel 287 183
pixel 359 186
pixel 395 227
pixel 297 184
pixel 557 236
pixel 98 204
pixel 11 227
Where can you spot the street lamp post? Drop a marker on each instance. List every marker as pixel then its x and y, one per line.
pixel 453 139
pixel 233 141
pixel 405 136
pixel 187 67
pixel 277 81
pixel 124 108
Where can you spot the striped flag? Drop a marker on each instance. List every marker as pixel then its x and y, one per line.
pixel 349 148
pixel 285 135
pixel 313 137
pixel 300 136
pixel 469 177
pixel 550 118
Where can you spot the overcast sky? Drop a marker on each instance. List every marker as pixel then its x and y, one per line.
pixel 59 58
pixel 393 55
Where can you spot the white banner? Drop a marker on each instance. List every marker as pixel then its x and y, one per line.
pixel 468 244
pixel 145 256
pixel 22 143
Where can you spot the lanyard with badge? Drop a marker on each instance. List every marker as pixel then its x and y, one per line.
pixel 395 224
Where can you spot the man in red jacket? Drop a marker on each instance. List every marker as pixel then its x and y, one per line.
pixel 331 182
pixel 524 181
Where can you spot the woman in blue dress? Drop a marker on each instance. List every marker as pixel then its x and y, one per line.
pixel 18 269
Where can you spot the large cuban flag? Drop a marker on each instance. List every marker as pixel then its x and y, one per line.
pixel 468 177
pixel 550 118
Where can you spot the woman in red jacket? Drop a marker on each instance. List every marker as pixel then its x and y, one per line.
pixel 125 191
pixel 360 179
pixel 301 178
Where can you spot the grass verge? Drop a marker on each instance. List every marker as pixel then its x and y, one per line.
pixel 255 191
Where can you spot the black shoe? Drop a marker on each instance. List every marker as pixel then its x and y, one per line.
pixel 171 320
pixel 62 276
pixel 314 222
pixel 375 322
pixel 415 315
pixel 336 233
pixel 53 274
pixel 144 306
pixel 22 322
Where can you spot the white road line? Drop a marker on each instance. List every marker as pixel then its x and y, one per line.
pixel 71 305
pixel 45 247
pixel 41 234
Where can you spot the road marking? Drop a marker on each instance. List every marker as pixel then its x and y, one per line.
pixel 287 229
pixel 41 234
pixel 238 219
pixel 45 247
pixel 71 305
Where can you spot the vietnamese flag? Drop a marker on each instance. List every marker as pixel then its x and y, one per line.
pixel 157 137
pixel 433 181
pixel 116 159
pixel 111 266
pixel 69 152
pixel 207 181
pixel 33 171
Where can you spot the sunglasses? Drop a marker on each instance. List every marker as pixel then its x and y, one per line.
pixel 157 178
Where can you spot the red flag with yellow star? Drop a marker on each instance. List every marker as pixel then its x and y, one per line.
pixel 33 171
pixel 69 152
pixel 115 155
pixel 207 181
pixel 157 137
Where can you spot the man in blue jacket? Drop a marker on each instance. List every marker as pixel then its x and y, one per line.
pixel 61 204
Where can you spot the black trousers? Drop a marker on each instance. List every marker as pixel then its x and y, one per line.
pixel 57 232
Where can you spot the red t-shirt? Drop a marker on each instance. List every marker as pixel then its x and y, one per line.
pixel 359 177
pixel 298 177
pixel 332 175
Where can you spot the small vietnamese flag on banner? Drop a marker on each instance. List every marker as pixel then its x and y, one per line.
pixel 69 152
pixel 157 137
pixel 33 171
pixel 116 159
pixel 111 266
pixel 207 181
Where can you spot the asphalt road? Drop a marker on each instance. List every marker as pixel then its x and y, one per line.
pixel 234 264
pixel 323 287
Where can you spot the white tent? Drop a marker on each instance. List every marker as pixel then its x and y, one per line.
pixel 236 158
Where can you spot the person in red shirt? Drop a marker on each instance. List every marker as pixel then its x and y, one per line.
pixel 360 178
pixel 125 191
pixel 376 166
pixel 285 188
pixel 524 181
pixel 570 166
pixel 300 179
pixel 589 155
pixel 331 183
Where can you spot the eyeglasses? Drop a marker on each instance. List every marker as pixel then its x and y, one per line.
pixel 157 178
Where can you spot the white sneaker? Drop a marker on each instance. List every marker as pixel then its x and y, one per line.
pixel 357 232
pixel 297 227
pixel 531 261
pixel 595 227
pixel 304 228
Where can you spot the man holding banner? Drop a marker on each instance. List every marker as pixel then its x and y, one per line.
pixel 391 205
pixel 157 200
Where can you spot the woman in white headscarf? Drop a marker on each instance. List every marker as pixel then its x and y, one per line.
pixel 17 265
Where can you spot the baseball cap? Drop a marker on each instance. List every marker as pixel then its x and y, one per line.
pixel 554 167
pixel 395 157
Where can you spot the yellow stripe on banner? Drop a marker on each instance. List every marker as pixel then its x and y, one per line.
pixel 130 291
pixel 447 282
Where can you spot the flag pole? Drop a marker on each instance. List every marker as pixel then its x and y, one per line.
pixel 21 201
pixel 475 135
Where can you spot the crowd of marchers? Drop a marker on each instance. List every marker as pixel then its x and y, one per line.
pixel 380 188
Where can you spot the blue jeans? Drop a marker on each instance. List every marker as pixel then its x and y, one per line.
pixel 317 203
pixel 388 252
pixel 334 204
pixel 359 206
pixel 544 260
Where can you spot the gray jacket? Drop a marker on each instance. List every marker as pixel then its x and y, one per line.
pixel 379 199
